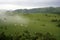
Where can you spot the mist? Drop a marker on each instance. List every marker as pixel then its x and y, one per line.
pixel 13 19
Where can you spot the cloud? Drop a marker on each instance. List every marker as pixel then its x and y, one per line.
pixel 30 3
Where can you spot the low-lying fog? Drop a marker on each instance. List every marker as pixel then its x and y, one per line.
pixel 16 19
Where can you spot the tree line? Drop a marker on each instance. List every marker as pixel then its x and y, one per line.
pixel 39 10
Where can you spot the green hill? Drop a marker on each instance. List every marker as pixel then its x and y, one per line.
pixel 39 10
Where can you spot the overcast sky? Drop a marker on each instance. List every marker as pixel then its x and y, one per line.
pixel 22 4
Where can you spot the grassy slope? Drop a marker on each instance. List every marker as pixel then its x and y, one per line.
pixel 38 23
pixel 42 23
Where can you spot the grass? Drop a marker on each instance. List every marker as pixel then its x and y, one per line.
pixel 38 23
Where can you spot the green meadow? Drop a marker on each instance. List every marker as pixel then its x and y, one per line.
pixel 38 22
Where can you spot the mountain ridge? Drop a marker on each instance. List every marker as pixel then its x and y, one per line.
pixel 39 10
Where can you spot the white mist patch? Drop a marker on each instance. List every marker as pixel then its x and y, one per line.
pixel 16 19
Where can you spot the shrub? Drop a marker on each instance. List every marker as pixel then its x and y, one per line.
pixel 26 36
pixel 54 20
pixel 58 25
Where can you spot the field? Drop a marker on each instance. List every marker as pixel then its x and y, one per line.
pixel 38 22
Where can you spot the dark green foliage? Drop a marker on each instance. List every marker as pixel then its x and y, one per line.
pixel 48 36
pixel 38 19
pixel 10 37
pixel 26 36
pixel 18 37
pixel 58 25
pixel 1 27
pixel 39 34
pixel 43 25
pixel 39 10
pixel 58 20
pixel 2 36
pixel 54 20
pixel 46 14
pixel 5 27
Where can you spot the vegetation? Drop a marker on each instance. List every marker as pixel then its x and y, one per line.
pixel 26 36
pixel 30 24
pixel 40 10
pixel 58 25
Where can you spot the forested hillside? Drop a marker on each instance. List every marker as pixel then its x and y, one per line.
pixel 39 10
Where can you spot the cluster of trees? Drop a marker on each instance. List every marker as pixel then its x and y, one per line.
pixel 58 25
pixel 57 21
pixel 39 10
pixel 26 35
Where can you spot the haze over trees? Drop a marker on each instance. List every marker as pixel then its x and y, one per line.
pixel 39 10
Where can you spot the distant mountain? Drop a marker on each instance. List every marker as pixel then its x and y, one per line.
pixel 39 10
